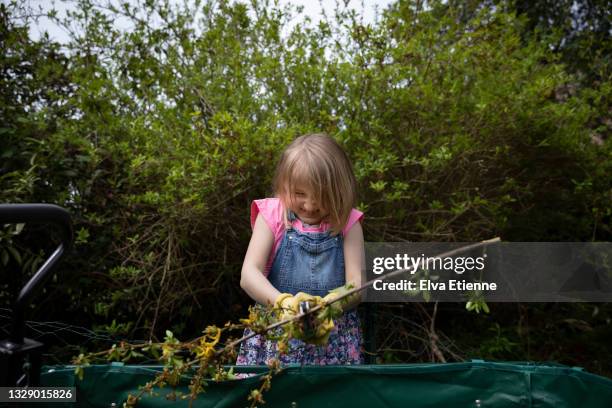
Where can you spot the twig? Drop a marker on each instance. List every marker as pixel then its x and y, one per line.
pixel 434 337
pixel 161 285
pixel 356 290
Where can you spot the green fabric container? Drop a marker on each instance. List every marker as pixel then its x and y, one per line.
pixel 472 384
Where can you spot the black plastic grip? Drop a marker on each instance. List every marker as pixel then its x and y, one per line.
pixel 40 214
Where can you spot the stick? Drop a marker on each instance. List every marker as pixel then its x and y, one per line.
pixel 359 289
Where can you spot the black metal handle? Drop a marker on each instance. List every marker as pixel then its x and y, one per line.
pixel 308 323
pixel 36 213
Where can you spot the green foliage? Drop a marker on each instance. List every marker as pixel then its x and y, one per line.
pixel 461 126
pixel 499 346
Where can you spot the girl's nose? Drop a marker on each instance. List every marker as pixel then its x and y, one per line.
pixel 310 205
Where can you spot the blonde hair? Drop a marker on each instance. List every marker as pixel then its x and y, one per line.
pixel 319 162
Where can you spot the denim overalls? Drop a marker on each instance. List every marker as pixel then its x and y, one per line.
pixel 311 262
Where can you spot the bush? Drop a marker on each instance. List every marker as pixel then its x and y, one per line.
pixel 157 138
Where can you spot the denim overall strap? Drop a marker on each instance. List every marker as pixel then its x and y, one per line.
pixel 311 262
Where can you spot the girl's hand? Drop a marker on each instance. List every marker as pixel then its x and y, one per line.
pixel 282 300
pixel 341 291
pixel 291 304
pixel 310 329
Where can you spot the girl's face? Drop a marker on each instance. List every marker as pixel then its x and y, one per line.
pixel 305 206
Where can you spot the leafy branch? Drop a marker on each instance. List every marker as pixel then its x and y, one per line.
pixel 209 355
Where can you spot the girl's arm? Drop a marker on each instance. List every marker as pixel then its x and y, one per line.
pixel 354 261
pixel 252 278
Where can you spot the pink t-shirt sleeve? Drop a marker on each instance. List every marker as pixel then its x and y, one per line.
pixel 354 216
pixel 272 212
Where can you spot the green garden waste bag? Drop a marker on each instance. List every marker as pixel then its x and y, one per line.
pixel 472 384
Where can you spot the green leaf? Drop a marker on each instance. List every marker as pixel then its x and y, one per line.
pixel 18 228
pixel 79 372
pixel 5 257
pixel 82 236
pixel 15 254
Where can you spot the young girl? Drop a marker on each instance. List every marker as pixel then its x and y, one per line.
pixel 307 239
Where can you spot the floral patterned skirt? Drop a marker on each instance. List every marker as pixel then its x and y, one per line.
pixel 344 346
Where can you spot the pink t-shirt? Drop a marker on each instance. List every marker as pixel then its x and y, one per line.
pixel 271 210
